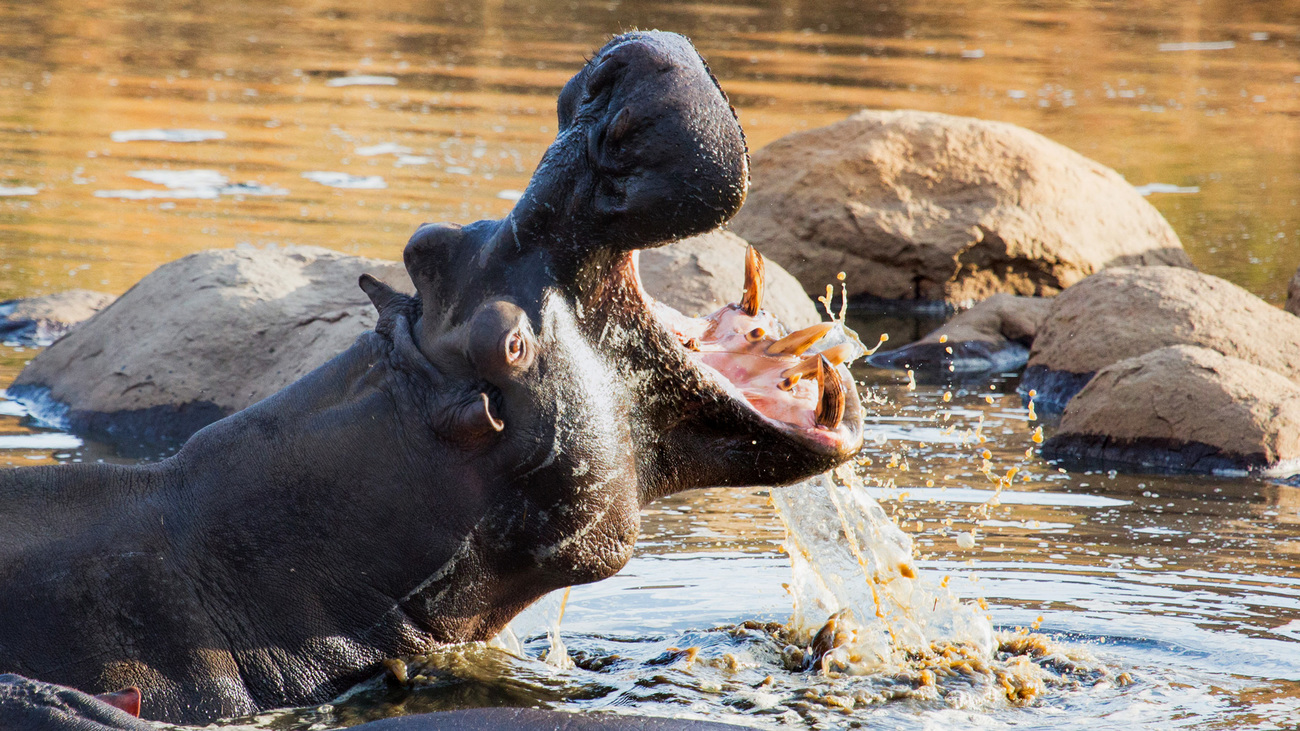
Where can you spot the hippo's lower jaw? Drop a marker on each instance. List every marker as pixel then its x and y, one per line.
pixel 797 384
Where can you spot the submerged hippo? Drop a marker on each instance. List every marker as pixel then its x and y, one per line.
pixel 493 439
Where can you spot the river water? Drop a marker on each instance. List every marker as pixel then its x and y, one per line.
pixel 1174 600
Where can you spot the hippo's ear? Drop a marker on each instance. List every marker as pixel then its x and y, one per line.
pixel 127 699
pixel 380 294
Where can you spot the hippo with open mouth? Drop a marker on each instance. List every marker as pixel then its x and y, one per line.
pixel 493 439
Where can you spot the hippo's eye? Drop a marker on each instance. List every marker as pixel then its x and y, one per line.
pixel 516 347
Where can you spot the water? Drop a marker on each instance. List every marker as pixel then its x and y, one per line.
pixel 438 111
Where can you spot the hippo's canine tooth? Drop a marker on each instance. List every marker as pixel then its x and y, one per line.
pixel 752 299
pixel 797 342
pixel 830 400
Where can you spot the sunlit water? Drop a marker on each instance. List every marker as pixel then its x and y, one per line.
pixel 134 133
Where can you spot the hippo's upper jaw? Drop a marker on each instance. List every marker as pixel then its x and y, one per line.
pixel 648 151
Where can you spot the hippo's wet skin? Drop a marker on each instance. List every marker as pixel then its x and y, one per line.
pixel 492 440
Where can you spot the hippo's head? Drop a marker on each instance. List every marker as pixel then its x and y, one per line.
pixel 580 396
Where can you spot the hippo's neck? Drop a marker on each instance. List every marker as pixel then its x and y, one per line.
pixel 312 505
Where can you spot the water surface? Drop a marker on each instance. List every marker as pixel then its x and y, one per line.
pixel 133 133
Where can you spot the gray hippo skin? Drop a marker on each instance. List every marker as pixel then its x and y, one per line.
pixel 493 439
pixel 29 705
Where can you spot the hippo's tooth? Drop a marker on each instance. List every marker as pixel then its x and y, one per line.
pixel 806 367
pixel 752 299
pixel 830 401
pixel 797 342
pixel 838 354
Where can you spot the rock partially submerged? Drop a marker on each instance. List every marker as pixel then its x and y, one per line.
pixel 1128 311
pixel 1186 409
pixel 42 320
pixel 210 334
pixel 993 336
pixel 932 207
pixel 203 337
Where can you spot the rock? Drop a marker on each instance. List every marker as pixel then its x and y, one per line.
pixel 42 320
pixel 200 338
pixel 994 335
pixel 698 275
pixel 925 206
pixel 207 335
pixel 1293 294
pixel 1127 311
pixel 1183 408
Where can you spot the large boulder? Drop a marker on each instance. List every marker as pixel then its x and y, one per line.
pixel 1127 311
pixel 698 275
pixel 203 337
pixel 207 335
pixel 993 336
pixel 1183 408
pixel 42 320
pixel 925 206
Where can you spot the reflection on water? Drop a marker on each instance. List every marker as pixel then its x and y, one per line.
pixel 1199 104
pixel 136 132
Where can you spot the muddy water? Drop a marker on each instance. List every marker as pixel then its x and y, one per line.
pixel 345 125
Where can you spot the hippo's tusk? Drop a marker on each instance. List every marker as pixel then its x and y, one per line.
pixel 838 354
pixel 752 298
pixel 830 401
pixel 797 342
pixel 806 367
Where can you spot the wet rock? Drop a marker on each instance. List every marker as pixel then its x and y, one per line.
pixel 925 206
pixel 994 335
pixel 1183 408
pixel 698 275
pixel 42 320
pixel 1293 294
pixel 203 337
pixel 207 335
pixel 1127 311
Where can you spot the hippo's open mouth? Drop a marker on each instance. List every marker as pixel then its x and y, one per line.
pixel 797 382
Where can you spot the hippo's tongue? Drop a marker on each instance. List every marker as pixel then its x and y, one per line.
pixel 127 699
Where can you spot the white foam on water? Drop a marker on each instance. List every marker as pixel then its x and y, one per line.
pixel 39 441
pixel 383 148
pixel 1006 497
pixel 344 180
pixel 363 81
pixel 1198 46
pixel 1150 188
pixel 182 179
pixel 846 554
pixel 510 195
pixel 18 190
pixel 167 135
pixel 200 184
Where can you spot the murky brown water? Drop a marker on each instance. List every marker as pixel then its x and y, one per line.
pixel 1190 584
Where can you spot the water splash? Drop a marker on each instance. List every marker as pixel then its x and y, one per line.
pixel 850 562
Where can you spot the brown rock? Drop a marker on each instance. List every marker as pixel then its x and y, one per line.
pixel 698 275
pixel 925 206
pixel 42 320
pixel 1183 408
pixel 1293 294
pixel 1125 312
pixel 207 335
pixel 203 337
pixel 994 335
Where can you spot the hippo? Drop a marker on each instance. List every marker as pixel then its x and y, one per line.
pixel 29 705
pixel 491 440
